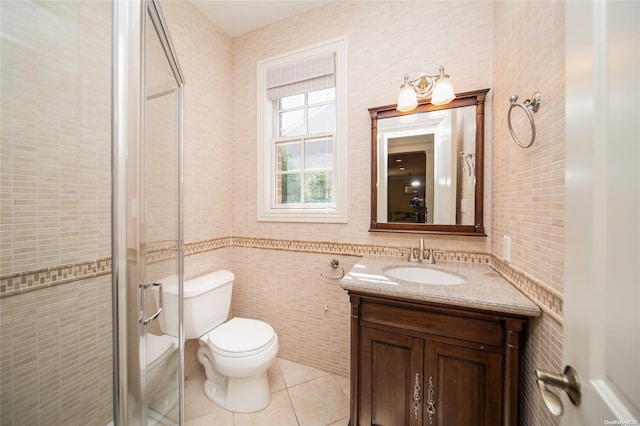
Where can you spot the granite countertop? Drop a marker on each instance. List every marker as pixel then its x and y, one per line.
pixel 484 288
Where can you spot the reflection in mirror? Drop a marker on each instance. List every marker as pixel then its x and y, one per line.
pixel 424 167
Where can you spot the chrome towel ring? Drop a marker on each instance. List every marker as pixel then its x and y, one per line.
pixel 335 264
pixel 527 105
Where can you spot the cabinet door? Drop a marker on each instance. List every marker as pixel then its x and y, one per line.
pixel 463 386
pixel 391 382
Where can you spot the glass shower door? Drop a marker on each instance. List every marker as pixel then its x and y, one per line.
pixel 161 224
pixel 147 218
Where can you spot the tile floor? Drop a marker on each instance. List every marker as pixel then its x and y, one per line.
pixel 300 396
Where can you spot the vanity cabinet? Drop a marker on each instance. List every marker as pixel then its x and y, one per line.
pixel 420 363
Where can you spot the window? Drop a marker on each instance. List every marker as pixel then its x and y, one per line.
pixel 301 135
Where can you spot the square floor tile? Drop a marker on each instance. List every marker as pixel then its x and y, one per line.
pixel 319 402
pixel 279 412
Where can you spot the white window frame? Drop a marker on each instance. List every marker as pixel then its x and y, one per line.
pixel 266 176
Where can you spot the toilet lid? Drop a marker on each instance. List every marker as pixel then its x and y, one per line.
pixel 241 337
pixel 158 348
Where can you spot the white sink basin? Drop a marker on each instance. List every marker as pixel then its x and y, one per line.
pixel 423 275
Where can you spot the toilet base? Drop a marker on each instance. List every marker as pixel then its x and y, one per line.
pixel 241 394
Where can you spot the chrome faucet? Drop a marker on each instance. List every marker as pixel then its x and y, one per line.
pixel 424 255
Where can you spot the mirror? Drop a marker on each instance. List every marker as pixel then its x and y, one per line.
pixel 427 167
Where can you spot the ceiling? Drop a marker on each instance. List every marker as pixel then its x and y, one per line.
pixel 239 17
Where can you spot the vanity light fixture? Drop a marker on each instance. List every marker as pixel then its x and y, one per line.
pixel 438 86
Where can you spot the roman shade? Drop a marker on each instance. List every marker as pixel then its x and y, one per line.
pixel 306 75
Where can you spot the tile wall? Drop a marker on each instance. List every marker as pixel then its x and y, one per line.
pixel 385 41
pixel 55 283
pixel 482 44
pixel 528 184
pixel 55 352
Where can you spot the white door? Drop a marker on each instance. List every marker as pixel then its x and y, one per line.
pixel 602 270
pixel 444 178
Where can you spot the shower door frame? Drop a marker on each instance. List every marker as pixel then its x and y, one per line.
pixel 128 241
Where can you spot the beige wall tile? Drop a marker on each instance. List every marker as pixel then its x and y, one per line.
pixel 528 184
pixel 383 45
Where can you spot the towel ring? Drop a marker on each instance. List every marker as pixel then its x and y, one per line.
pixel 335 264
pixel 528 105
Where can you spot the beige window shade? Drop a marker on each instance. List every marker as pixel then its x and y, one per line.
pixel 307 75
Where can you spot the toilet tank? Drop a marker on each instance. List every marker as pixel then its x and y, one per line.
pixel 207 300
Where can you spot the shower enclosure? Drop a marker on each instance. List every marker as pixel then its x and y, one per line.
pixel 90 214
pixel 147 218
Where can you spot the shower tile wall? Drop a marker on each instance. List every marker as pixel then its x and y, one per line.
pixel 55 133
pixel 528 184
pixel 55 218
pixel 56 355
pixel 56 197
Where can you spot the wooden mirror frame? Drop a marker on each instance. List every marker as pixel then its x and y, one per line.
pixel 476 98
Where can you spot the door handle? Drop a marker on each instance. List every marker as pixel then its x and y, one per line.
pixel 144 287
pixel 568 382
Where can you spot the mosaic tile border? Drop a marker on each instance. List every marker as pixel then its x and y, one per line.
pixel 348 249
pixel 157 251
pixel 161 250
pixel 207 245
pixel 549 300
pixel 23 282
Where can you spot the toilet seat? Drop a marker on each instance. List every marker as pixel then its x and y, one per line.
pixel 241 337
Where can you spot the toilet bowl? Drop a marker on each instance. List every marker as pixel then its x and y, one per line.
pixel 236 353
pixel 161 362
pixel 236 356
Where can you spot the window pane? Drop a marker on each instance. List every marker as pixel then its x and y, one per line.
pixel 288 189
pixel 292 123
pixel 318 154
pixel 292 101
pixel 288 156
pixel 325 95
pixel 322 118
pixel 318 187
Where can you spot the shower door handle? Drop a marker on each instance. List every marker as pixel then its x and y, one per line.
pixel 144 287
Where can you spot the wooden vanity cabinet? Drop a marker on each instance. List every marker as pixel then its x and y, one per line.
pixel 415 363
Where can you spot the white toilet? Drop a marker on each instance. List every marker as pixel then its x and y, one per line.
pixel 235 354
pixel 161 373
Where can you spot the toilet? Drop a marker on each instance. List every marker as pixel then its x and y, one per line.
pixel 235 354
pixel 161 366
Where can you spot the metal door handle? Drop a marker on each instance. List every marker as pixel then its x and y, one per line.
pixel 568 382
pixel 147 320
pixel 431 408
pixel 416 396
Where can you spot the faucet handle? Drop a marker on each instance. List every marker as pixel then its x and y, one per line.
pixel 411 254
